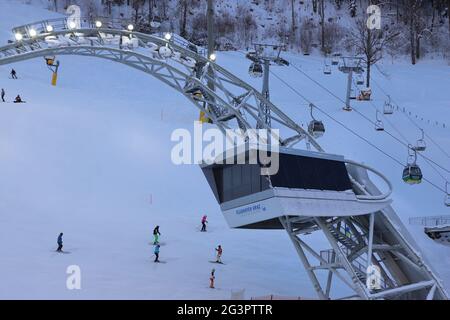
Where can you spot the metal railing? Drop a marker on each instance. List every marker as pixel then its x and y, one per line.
pixel 30 30
pixel 430 221
pixel 382 196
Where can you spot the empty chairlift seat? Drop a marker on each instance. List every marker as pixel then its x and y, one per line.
pixel 306 184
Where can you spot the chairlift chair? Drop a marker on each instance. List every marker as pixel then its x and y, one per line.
pixel 379 126
pixel 50 60
pixel 359 80
pixel 352 94
pixel 156 22
pixel 255 70
pixel 194 91
pixel 421 144
pixel 412 173
pixel 364 95
pixel 388 106
pixel 335 59
pixel 327 70
pixel 316 128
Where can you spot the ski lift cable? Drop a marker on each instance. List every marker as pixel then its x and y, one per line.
pixel 437 171
pixel 406 140
pixel 430 163
pixel 352 131
pixel 389 122
pixel 411 120
pixel 386 119
pixel 429 137
pixel 365 117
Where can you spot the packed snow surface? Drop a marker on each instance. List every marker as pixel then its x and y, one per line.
pixel 91 158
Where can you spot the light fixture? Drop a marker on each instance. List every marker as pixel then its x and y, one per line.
pixel 33 33
pixel 49 28
pixel 130 27
pixel 98 24
pixel 18 36
pixel 212 57
pixel 168 36
pixel 72 25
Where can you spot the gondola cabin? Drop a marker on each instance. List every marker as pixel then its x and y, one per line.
pixel 306 184
pixel 255 70
pixel 316 128
pixel 412 174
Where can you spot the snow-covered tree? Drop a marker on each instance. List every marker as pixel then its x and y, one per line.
pixel 370 44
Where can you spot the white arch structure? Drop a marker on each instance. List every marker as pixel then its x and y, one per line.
pixel 379 237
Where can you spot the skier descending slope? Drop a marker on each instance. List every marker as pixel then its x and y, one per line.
pixel 60 242
pixel 156 235
pixel 212 277
pixel 3 93
pixel 156 251
pixel 204 222
pixel 13 74
pixel 219 254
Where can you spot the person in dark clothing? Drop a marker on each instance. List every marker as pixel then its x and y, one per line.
pixel 204 222
pixel 18 99
pixel 60 242
pixel 13 74
pixel 156 235
pixel 3 93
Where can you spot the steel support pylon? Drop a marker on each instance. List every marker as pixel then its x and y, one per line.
pixel 401 273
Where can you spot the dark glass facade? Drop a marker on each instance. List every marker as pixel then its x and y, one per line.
pixel 296 172
pixel 236 181
pixel 311 173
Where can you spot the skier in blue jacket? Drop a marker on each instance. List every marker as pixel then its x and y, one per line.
pixel 156 251
pixel 60 242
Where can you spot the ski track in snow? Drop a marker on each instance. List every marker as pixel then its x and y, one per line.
pixel 85 157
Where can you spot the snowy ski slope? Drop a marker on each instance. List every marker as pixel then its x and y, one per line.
pixel 91 158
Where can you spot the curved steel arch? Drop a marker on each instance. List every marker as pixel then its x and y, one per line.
pixel 233 103
pixel 236 103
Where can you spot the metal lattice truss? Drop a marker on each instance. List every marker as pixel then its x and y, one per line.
pixel 232 105
pixel 353 240
pixel 356 241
